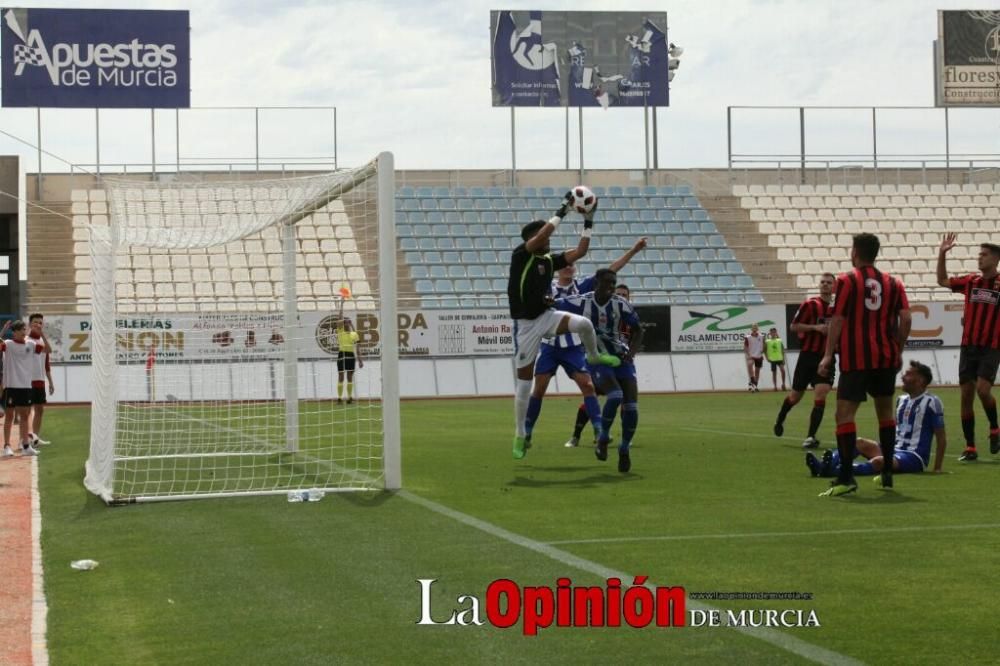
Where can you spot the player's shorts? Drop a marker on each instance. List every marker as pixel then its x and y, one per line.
pixel 528 335
pixel 346 361
pixel 603 373
pixel 975 362
pixel 17 397
pixel 857 385
pixel 909 462
pixel 776 364
pixel 38 396
pixel 758 362
pixel 571 359
pixel 806 372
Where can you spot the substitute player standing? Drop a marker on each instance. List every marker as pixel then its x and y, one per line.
pixel 871 322
pixel 529 295
pixel 43 372
pixel 18 369
pixel 753 352
pixel 980 350
pixel 811 322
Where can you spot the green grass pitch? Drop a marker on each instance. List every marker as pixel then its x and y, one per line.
pixel 714 503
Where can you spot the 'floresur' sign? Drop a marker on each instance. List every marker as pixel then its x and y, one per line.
pixel 94 58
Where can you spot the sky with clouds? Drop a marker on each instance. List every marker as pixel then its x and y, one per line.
pixel 414 78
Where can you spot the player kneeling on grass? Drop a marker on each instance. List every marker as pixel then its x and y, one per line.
pixel 531 307
pixel 919 417
pixel 19 362
pixel 608 313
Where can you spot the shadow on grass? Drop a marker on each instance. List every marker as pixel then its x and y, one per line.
pixel 592 481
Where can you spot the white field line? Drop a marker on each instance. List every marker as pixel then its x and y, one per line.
pixel 39 606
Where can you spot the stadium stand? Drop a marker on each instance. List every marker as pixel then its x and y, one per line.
pixel 811 226
pixel 456 243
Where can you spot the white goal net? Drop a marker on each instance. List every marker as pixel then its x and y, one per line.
pixel 223 313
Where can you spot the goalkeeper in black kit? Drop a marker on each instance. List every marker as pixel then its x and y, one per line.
pixel 529 287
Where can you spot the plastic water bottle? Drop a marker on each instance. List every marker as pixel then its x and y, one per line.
pixel 84 565
pixel 298 496
pixel 315 495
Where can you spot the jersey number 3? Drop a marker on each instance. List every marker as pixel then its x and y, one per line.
pixel 873 294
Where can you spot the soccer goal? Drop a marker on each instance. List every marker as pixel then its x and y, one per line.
pixel 215 312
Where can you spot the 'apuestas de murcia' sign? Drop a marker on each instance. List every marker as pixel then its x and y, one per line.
pixel 93 58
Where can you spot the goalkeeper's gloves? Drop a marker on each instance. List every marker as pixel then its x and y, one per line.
pixel 564 206
pixel 588 219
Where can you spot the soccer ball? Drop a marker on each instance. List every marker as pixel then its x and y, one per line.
pixel 584 199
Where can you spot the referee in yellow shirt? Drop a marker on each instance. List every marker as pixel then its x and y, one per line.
pixel 347 355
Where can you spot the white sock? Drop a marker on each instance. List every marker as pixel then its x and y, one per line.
pixel 582 327
pixel 522 393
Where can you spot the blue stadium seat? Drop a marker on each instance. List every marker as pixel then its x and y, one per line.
pixel 691 202
pixel 612 242
pixel 438 272
pixel 450 257
pixel 627 271
pixel 413 258
pixel 670 282
pixel 495 192
pixel 463 243
pixel 698 268
pixel 487 257
pixel 753 298
pixel 469 257
pixel 690 228
pixel 744 281
pixel 671 254
pixel 682 241
pixel 665 190
pixel 637 228
pixel 529 192
pixel 611 216
pixel 505 217
pixel 516 204
pixel 446 204
pixel 699 215
pixel 680 268
pixel 453 217
pixel 463 286
pixel 639 203
pixel 482 204
pixel 465 204
pixel 442 192
pixel 726 282
pixel 443 287
pixel 440 230
pixel 477 192
pixel 482 286
pixel 427 244
pixel 661 268
pixel 408 243
pixel 651 282
pixel 632 191
pixel 734 268
pixel 643 269
pixel 615 191
pixel 672 227
pixel 500 284
pixel 709 228
pixel 495 271
pixel 416 217
pixel 665 215
pixel 470 217
pixel 403 230
pixel 459 192
pixel 716 268
pixel 434 217
pixel 680 299
pixel 689 282
pixel 716 240
pixel 706 282
pixel 410 204
pixel 433 257
pixel 689 254
pixel 706 254
pixel 531 204
pixel 404 192
pixel 657 202
pixel 505 242
pixel 726 255
pixel 446 243
pixel 494 230
pixel 647 215
pixel 512 230
pixel 522 217
pixel 682 215
pixel 500 204
pixel 489 302
pixel 482 243
pixel 683 190
pixel 663 241
pixel 476 230
pixel 548 192
pixel 423 192
pixel 428 204
pixel 649 191
pixel 598 255
pixel 424 286
pixel 476 271
pixel 699 241
pixel 419 272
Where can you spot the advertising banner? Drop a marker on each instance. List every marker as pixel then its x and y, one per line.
pixel 701 328
pixel 968 58
pixel 95 58
pixel 552 58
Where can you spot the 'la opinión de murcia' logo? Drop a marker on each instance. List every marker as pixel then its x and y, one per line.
pixel 124 64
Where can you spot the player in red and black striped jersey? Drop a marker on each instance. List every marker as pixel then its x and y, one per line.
pixel 871 322
pixel 980 351
pixel 810 324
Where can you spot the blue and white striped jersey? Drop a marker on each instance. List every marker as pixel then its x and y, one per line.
pixel 576 287
pixel 607 319
pixel 916 420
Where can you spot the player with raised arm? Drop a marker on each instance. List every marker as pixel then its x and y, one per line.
pixel 531 307
pixel 348 357
pixel 19 364
pixel 567 352
pixel 810 323
pixel 43 372
pixel 919 418
pixel 871 322
pixel 582 415
pixel 979 356
pixel 609 313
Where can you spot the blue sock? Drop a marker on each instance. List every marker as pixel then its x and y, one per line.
pixel 630 421
pixel 534 409
pixel 611 404
pixel 864 469
pixel 593 408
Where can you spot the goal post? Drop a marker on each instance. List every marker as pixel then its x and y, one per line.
pixel 218 311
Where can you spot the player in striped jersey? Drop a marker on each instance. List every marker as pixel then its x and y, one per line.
pixel 980 350
pixel 608 312
pixel 810 323
pixel 871 322
pixel 566 350
pixel 919 418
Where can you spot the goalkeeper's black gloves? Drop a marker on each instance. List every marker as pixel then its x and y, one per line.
pixel 564 206
pixel 588 219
